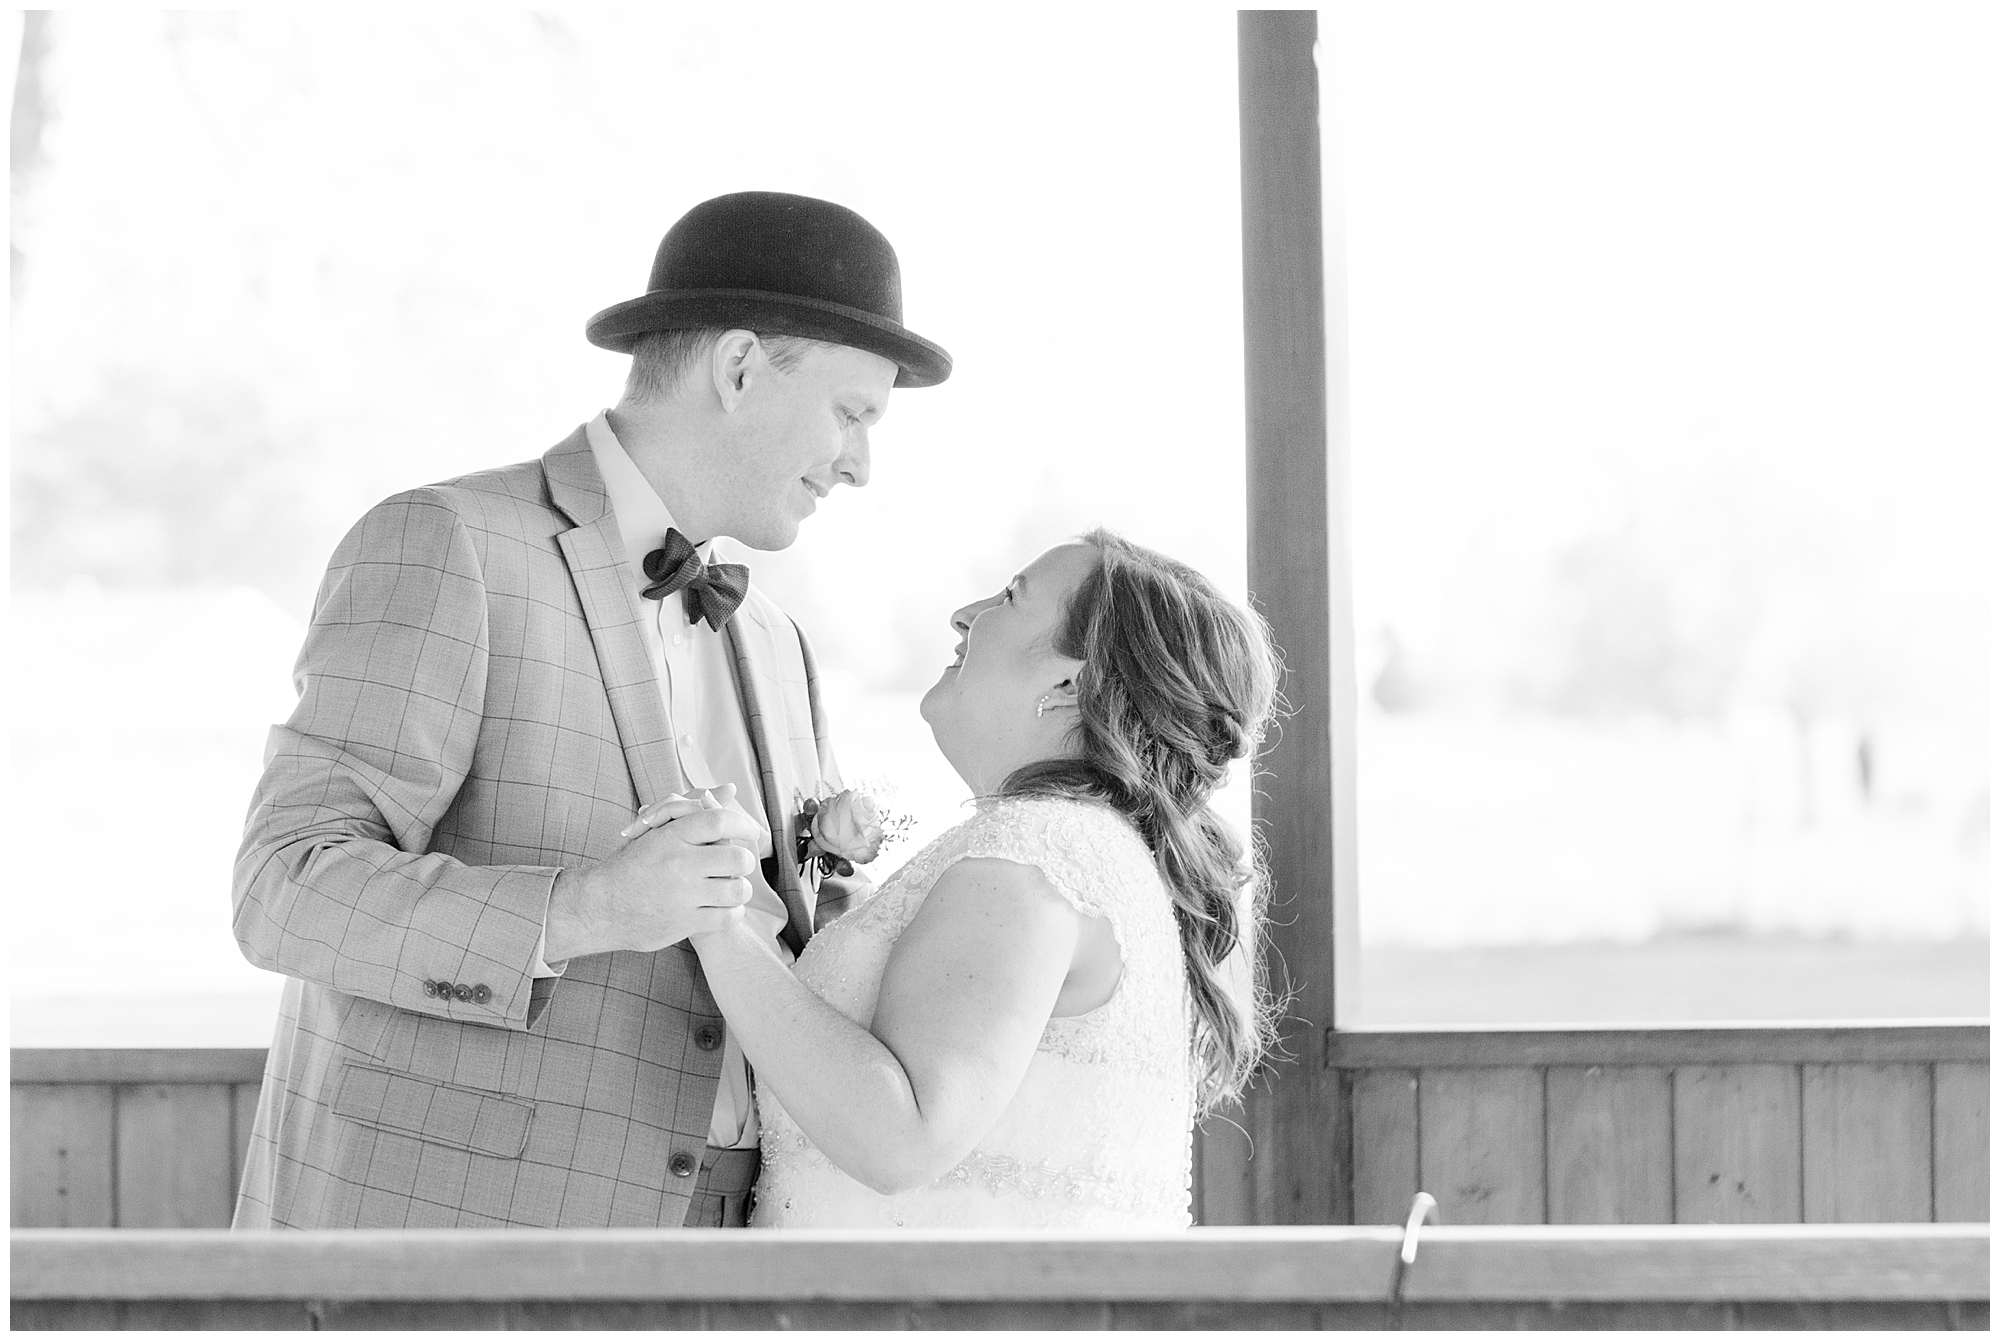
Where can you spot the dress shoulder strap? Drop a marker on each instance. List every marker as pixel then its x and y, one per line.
pixel 1089 852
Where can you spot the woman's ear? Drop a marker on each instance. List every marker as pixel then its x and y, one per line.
pixel 1062 696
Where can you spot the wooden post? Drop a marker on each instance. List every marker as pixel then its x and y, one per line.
pixel 1292 1167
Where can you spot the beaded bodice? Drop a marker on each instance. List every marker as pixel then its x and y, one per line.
pixel 1099 1134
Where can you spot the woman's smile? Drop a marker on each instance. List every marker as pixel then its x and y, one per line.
pixel 988 710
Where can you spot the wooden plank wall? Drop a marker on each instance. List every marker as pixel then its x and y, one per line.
pixel 1868 1124
pixel 1721 1126
pixel 130 1138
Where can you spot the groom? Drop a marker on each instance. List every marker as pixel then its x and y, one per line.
pixel 493 1017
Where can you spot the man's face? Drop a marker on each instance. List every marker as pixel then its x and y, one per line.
pixel 796 434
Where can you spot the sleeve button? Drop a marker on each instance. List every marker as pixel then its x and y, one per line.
pixel 681 1165
pixel 462 992
pixel 430 987
pixel 708 1038
pixel 481 994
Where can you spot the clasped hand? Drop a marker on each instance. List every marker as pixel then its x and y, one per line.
pixel 686 871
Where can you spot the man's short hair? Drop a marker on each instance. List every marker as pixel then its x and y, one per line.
pixel 662 360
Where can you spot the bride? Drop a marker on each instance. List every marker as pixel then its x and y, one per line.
pixel 1021 1026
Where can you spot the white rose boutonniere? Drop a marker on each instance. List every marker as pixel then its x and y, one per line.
pixel 845 830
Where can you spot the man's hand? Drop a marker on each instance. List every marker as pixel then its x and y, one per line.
pixel 686 872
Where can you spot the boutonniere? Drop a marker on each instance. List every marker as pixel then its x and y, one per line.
pixel 840 831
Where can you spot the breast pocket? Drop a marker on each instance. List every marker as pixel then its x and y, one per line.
pixel 480 1121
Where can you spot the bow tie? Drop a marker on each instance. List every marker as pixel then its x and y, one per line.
pixel 711 591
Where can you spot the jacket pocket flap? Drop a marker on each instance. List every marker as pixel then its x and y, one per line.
pixel 475 1120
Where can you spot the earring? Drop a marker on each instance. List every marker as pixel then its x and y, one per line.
pixel 1041 705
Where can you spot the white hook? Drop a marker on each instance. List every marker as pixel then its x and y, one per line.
pixel 1423 1207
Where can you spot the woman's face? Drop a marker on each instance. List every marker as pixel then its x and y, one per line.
pixel 982 710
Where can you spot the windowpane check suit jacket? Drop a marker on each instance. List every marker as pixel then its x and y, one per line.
pixel 477 710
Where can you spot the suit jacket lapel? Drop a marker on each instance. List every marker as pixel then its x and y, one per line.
pixel 773 770
pixel 611 609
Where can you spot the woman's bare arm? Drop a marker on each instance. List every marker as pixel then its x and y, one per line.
pixel 967 992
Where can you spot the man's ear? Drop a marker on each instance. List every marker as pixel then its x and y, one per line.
pixel 735 361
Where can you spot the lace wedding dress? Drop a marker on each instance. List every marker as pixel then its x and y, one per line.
pixel 1100 1133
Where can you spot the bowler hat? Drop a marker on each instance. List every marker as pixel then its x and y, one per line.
pixel 782 265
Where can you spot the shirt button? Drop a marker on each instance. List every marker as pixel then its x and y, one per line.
pixel 677 639
pixel 708 1038
pixel 687 738
pixel 681 1165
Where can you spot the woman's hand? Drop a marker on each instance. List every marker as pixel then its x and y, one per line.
pixel 669 808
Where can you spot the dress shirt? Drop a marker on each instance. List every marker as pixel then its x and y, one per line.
pixel 698 690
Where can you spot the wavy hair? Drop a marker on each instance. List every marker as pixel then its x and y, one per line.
pixel 1177 683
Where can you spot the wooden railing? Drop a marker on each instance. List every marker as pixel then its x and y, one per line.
pixel 1676 1276
pixel 1860 1123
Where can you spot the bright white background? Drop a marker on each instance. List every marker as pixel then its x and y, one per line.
pixel 1670 331
pixel 280 265
pixel 1672 355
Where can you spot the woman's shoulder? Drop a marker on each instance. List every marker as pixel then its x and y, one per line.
pixel 1086 849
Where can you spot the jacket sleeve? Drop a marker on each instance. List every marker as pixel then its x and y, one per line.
pixel 335 882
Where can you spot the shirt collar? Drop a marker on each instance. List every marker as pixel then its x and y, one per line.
pixel 641 514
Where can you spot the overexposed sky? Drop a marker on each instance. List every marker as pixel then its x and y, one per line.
pixel 389 228
pixel 1728 265
pixel 1710 286
pixel 1716 272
